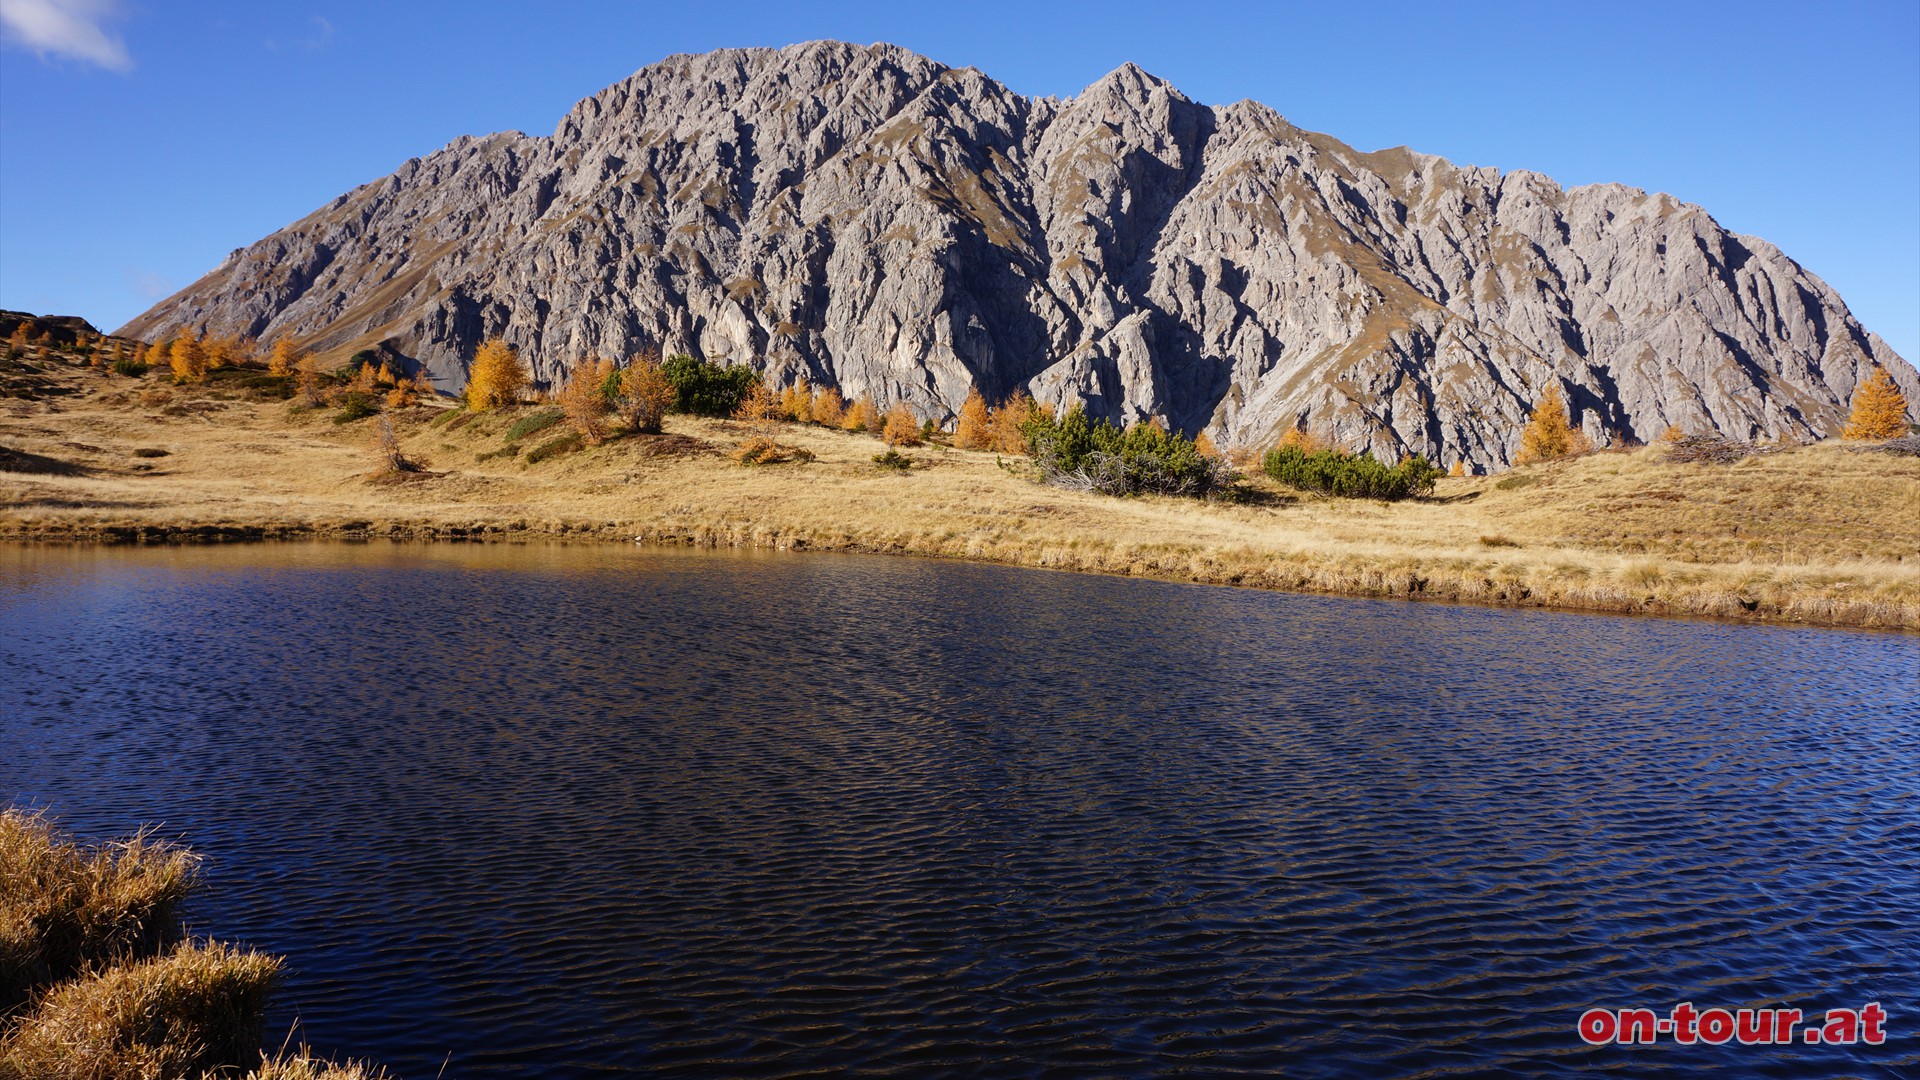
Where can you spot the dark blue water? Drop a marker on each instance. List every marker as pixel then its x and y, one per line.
pixel 586 812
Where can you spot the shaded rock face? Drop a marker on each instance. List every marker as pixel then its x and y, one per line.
pixel 867 218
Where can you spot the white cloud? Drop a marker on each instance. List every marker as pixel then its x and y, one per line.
pixel 318 37
pixel 147 284
pixel 69 28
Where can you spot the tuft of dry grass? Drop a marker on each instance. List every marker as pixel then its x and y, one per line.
pixel 760 450
pixel 65 908
pixel 187 1013
pixel 99 983
pixel 302 1066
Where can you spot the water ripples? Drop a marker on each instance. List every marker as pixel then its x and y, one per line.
pixel 584 812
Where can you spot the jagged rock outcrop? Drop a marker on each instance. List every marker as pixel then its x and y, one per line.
pixel 866 217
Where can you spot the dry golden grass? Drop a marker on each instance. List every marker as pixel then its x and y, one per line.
pixel 302 1066
pixel 196 1009
pixel 1817 534
pixel 97 981
pixel 65 908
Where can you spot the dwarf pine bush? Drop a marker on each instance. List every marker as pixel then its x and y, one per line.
pixel 1093 455
pixel 1356 476
pixel 707 389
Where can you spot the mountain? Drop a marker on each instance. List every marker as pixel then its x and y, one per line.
pixel 866 217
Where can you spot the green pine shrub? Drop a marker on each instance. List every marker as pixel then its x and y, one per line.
pixel 565 444
pixel 1092 455
pixel 532 424
pixel 706 389
pixel 1353 476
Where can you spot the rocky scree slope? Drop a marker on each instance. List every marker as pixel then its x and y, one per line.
pixel 868 218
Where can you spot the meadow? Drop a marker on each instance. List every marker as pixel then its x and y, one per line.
pixel 1824 534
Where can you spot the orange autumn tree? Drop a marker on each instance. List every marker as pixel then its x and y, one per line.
pixel 861 415
pixel 188 358
pixel 760 410
pixel 496 377
pixel 796 401
pixel 645 395
pixel 285 357
pixel 583 399
pixel 408 391
pixel 1015 411
pixel 1548 435
pixel 1879 409
pixel 975 429
pixel 1305 441
pixel 829 407
pixel 902 427
pixel 309 388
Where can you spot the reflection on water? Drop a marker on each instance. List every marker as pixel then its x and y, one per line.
pixel 580 811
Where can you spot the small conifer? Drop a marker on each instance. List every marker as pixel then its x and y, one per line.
pixel 497 377
pixel 975 429
pixel 902 428
pixel 1879 409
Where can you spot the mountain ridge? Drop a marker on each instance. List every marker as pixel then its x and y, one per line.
pixel 865 217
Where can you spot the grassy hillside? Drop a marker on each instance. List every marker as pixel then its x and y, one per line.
pixel 1819 534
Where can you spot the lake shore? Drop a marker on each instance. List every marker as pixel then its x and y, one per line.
pixel 1817 535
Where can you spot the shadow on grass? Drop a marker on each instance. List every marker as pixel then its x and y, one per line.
pixel 20 461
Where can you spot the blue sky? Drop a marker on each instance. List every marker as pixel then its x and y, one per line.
pixel 142 140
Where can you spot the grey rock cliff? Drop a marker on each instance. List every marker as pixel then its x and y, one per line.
pixel 866 217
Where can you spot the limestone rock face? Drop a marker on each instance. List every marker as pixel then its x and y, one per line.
pixel 871 219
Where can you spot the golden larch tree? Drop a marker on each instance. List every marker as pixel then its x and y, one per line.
pixel 1203 445
pixel 975 429
pixel 497 376
pixel 188 358
pixel 1879 409
pixel 285 357
pixel 311 393
pixel 1548 435
pixel 409 391
pixel 645 395
pixel 1298 437
pixel 828 407
pixel 902 427
pixel 1013 412
pixel 861 415
pixel 583 399
pixel 796 401
pixel 759 409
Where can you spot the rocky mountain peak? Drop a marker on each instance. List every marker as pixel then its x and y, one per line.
pixel 866 217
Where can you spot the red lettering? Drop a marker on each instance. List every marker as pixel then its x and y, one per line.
pixel 1872 1021
pixel 1683 1019
pixel 1843 1026
pixel 1753 1026
pixel 1716 1026
pixel 1637 1025
pixel 1597 1027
